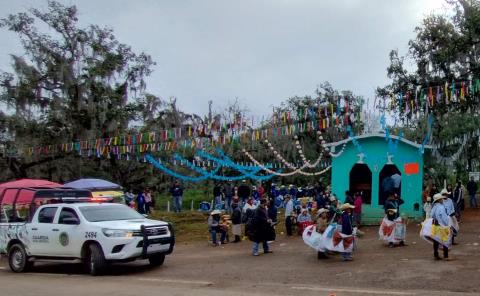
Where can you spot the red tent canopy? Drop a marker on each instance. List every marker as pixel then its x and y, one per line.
pixel 29 183
pixel 8 196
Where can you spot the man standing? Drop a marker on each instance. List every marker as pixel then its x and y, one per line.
pixel 217 195
pixel 288 214
pixel 244 192
pixel 262 229
pixel 177 193
pixel 348 197
pixel 472 191
pixel 228 190
pixel 458 199
pixel 236 222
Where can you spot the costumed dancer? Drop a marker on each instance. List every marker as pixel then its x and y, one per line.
pixel 347 228
pixel 437 229
pixel 393 229
pixel 322 224
pixel 332 237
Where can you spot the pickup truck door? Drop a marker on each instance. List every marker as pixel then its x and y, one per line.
pixel 41 232
pixel 67 241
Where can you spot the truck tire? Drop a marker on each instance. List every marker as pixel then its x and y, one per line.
pixel 18 259
pixel 157 259
pixel 95 262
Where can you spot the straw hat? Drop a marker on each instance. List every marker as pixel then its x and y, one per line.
pixel 346 206
pixel 438 197
pixel 215 212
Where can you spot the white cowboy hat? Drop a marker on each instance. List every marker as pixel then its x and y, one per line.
pixel 321 211
pixel 215 212
pixel 438 197
pixel 346 206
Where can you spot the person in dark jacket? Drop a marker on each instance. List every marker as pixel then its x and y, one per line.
pixel 141 203
pixel 236 222
pixel 472 191
pixel 217 195
pixel 261 229
pixel 272 210
pixel 228 190
pixel 320 199
pixel 244 192
pixel 177 193
pixel 349 197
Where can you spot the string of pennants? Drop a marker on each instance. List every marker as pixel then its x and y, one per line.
pixel 427 98
pixel 166 140
pixel 457 140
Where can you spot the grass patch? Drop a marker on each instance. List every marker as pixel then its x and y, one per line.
pixel 195 195
pixel 189 226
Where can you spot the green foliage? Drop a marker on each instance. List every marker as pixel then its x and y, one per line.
pixel 445 49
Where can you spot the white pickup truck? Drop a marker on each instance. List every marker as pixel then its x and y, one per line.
pixel 95 233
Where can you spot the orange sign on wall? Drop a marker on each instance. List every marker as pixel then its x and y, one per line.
pixel 411 168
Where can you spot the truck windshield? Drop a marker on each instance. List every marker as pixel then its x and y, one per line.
pixel 109 213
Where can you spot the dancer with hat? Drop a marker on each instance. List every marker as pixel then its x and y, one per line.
pixel 393 229
pixel 322 224
pixel 437 229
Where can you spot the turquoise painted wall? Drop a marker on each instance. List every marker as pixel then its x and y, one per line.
pixel 376 150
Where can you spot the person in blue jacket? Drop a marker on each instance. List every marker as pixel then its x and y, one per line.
pixel 274 191
pixel 141 203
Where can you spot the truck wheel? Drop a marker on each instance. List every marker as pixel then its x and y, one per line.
pixel 156 260
pixel 18 259
pixel 95 260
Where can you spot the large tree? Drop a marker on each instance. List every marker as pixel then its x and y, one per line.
pixel 71 83
pixel 446 56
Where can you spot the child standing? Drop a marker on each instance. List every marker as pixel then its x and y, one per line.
pixel 427 207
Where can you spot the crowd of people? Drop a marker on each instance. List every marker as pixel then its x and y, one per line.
pixel 143 201
pixel 257 210
pixel 255 207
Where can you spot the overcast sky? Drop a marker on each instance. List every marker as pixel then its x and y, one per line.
pixel 261 51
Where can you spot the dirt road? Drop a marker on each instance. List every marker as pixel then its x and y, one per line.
pixel 291 270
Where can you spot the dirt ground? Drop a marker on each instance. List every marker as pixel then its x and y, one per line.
pixel 293 269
